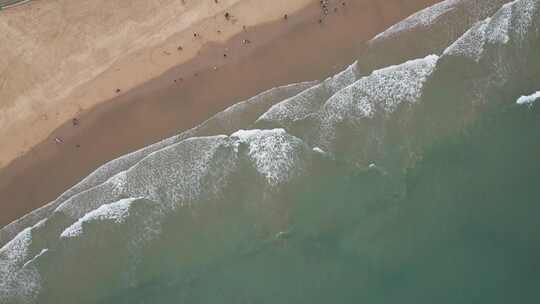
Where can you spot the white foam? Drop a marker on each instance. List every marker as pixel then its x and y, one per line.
pixel 378 94
pixel 276 155
pixel 401 83
pixel 248 135
pixel 527 10
pixel 471 44
pixel 227 118
pixel 318 150
pixel 18 248
pixel 117 212
pixel 18 284
pixel 529 99
pixel 192 170
pixel 513 21
pixel 423 18
pixel 41 253
pixel 498 30
pixel 386 88
pixel 305 103
pixel 173 175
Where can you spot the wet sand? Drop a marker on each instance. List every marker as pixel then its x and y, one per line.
pixel 62 57
pixel 286 51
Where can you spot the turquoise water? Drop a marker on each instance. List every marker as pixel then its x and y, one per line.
pixel 414 183
pixel 460 227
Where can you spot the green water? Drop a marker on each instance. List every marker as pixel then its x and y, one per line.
pixel 459 227
pixel 428 193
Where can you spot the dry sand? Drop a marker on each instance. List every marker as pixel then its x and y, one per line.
pixel 60 57
pixel 66 59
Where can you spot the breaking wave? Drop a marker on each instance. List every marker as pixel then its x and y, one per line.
pixel 411 176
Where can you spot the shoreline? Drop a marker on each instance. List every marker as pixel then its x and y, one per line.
pixel 17 3
pixel 292 50
pixel 62 58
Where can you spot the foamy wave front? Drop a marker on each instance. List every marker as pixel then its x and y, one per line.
pixel 301 175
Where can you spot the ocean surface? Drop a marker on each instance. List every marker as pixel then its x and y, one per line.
pixel 410 177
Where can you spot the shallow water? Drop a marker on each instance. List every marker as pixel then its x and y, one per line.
pixel 460 227
pixel 415 183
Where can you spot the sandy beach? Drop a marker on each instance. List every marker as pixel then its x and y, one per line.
pixel 133 72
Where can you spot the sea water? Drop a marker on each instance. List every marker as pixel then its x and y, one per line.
pixel 410 183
